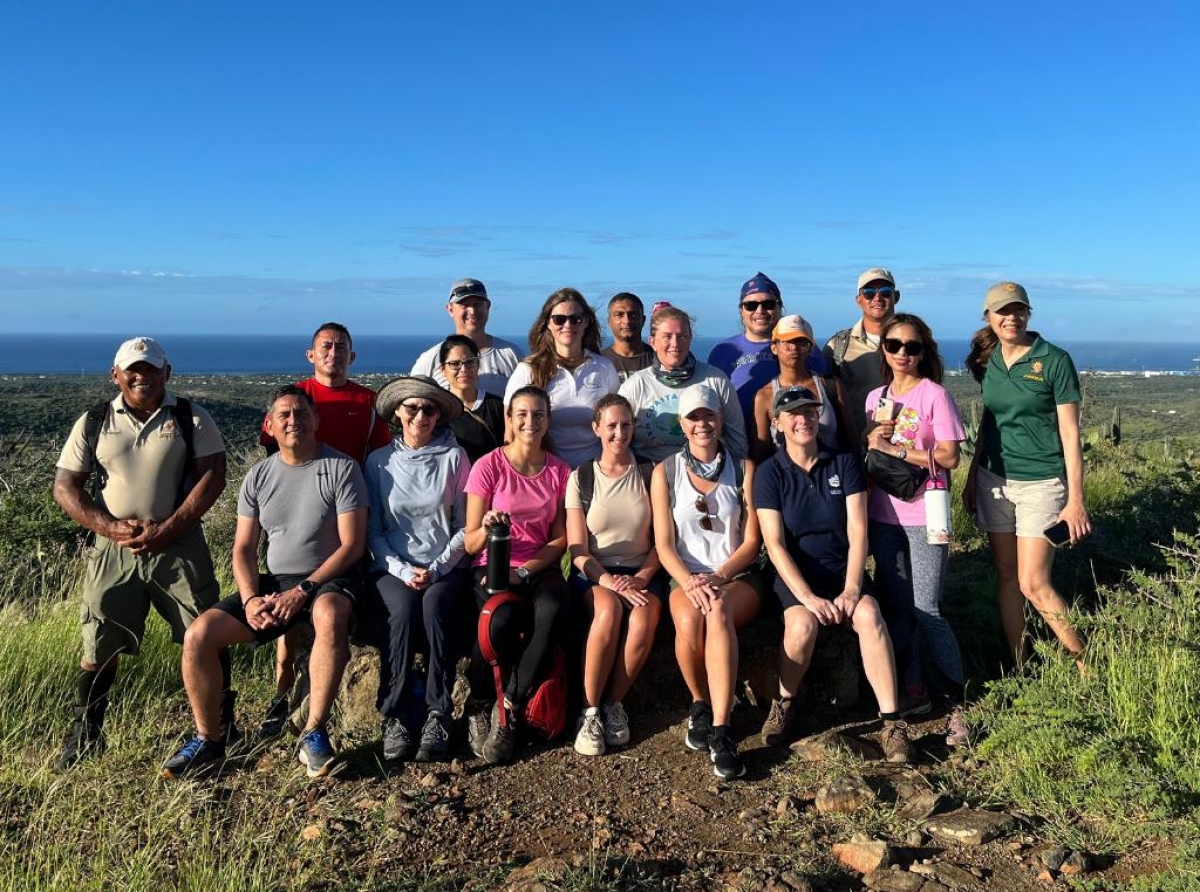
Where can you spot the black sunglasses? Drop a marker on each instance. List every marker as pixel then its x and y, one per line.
pixel 561 319
pixel 412 410
pixel 911 348
pixel 751 306
pixel 884 292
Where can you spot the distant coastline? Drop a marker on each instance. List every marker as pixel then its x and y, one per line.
pixel 84 354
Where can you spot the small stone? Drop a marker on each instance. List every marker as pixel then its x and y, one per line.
pixel 431 780
pixel 976 872
pixel 969 826
pixel 795 882
pixel 787 807
pixel 1045 876
pixel 311 832
pixel 921 868
pixel 921 805
pixel 863 857
pixel 893 879
pixel 844 795
pixel 954 876
pixel 1077 863
pixel 1053 857
pixel 541 868
pixel 914 838
pixel 832 744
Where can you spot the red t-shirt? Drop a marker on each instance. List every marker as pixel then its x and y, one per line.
pixel 348 420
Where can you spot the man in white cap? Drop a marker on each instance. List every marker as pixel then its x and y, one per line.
pixel 853 353
pixel 469 306
pixel 159 464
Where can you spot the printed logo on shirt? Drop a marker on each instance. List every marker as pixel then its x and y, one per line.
pixel 169 429
pixel 835 485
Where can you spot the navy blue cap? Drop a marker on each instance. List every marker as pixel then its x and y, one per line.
pixel 760 284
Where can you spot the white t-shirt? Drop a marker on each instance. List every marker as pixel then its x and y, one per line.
pixel 496 363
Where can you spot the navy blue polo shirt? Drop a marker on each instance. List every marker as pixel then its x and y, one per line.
pixel 813 505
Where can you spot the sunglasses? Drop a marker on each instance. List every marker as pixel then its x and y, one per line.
pixel 561 319
pixel 706 516
pixel 910 348
pixel 885 292
pixel 752 306
pixel 412 410
pixel 455 364
pixel 464 293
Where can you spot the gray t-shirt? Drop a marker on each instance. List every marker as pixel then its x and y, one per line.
pixel 298 506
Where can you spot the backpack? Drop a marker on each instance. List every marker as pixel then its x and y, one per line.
pixel 546 710
pixel 98 414
pixel 841 343
pixel 587 481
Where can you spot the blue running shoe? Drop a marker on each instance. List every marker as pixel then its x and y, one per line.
pixel 195 755
pixel 316 752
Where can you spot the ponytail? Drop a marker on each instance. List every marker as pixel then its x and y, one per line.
pixel 982 345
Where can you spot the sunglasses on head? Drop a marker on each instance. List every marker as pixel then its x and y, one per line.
pixel 885 292
pixel 751 306
pixel 561 319
pixel 910 348
pixel 455 364
pixel 706 516
pixel 412 410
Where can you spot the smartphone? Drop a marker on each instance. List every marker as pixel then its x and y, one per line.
pixel 1059 534
pixel 885 410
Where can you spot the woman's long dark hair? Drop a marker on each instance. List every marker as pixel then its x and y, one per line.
pixel 542 359
pixel 983 342
pixel 930 364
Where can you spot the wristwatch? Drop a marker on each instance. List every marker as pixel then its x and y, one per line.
pixel 902 454
pixel 522 574
pixel 308 587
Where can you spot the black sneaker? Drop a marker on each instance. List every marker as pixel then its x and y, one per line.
pixel 435 738
pixel 230 732
pixel 699 727
pixel 727 764
pixel 397 740
pixel 193 757
pixel 84 740
pixel 276 719
pixel 479 727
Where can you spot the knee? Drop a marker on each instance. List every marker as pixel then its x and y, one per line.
pixel 867 616
pixel 799 630
pixel 719 617
pixel 643 621
pixel 689 628
pixel 198 636
pixel 331 615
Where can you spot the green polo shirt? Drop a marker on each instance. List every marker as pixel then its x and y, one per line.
pixel 1020 412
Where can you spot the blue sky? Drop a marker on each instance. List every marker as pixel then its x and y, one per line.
pixel 218 166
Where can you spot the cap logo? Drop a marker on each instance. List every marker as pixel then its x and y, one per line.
pixel 139 345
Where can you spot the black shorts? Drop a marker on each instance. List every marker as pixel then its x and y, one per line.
pixel 787 599
pixel 268 583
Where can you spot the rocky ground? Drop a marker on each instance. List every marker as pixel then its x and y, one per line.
pixel 826 814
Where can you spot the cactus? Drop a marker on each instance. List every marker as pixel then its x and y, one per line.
pixel 1113 432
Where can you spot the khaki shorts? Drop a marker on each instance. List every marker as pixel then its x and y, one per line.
pixel 1024 507
pixel 119 588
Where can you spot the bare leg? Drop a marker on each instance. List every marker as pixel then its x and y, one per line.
pixel 285 664
pixel 635 645
pixel 331 648
pixel 1008 592
pixel 876 648
pixel 211 632
pixel 737 606
pixel 689 645
pixel 603 637
pixel 800 630
pixel 1035 558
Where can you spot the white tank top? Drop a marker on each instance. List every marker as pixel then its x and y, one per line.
pixel 827 421
pixel 701 550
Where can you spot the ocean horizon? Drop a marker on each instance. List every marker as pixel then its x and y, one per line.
pixel 223 354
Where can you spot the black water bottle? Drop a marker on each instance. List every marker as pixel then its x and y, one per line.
pixel 498 551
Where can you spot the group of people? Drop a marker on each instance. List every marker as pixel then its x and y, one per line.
pixel 627 479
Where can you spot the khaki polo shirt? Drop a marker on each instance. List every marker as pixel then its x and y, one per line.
pixel 1020 419
pixel 144 462
pixel 860 373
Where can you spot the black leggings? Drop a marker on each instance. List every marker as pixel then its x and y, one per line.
pixel 523 634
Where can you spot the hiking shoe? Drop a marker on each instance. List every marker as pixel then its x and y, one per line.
pixel 957 732
pixel 914 700
pixel 479 727
pixel 780 723
pixel 590 739
pixel 435 738
pixel 84 740
pixel 699 727
pixel 727 764
pixel 498 748
pixel 316 752
pixel 894 740
pixel 194 757
pixel 276 719
pixel 616 724
pixel 397 740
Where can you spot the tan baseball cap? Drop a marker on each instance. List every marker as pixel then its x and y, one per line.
pixel 1004 293
pixel 140 349
pixel 876 274
pixel 698 396
pixel 791 328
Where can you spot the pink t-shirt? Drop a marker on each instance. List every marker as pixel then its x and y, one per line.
pixel 925 416
pixel 531 502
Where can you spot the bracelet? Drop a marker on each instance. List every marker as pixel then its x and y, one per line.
pixel 246 603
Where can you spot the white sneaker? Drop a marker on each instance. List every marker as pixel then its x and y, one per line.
pixel 590 739
pixel 616 724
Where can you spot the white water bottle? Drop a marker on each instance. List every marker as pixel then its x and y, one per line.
pixel 937 510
